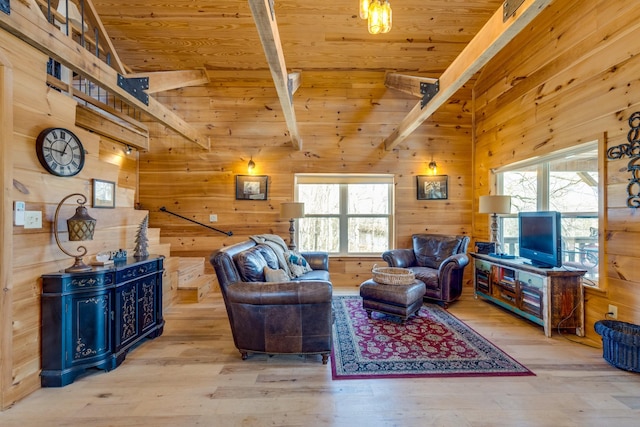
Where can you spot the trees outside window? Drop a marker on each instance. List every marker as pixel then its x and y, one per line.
pixel 345 214
pixel 567 183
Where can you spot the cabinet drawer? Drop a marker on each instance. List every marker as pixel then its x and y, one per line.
pixel 531 280
pixel 67 283
pixel 483 266
pixel 134 271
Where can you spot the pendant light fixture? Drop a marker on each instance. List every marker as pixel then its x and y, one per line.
pixel 378 15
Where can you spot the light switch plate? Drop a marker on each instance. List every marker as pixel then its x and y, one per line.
pixel 33 219
pixel 213 218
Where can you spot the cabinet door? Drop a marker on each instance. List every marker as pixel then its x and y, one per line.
pixel 126 313
pixel 147 303
pixel 90 327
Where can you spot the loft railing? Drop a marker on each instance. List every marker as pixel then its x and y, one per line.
pixel 228 233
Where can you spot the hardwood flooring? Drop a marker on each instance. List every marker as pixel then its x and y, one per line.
pixel 193 376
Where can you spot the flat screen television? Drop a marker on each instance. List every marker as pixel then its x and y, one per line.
pixel 540 238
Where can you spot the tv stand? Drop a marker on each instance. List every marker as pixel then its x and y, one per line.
pixel 550 297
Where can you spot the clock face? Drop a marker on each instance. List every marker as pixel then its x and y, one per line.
pixel 60 152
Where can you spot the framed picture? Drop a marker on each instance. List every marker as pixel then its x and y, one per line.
pixel 251 187
pixel 432 187
pixel 104 194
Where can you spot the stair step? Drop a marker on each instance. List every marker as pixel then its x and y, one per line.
pixel 196 289
pixel 190 269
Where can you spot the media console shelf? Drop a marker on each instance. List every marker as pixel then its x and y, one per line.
pixel 91 319
pixel 550 297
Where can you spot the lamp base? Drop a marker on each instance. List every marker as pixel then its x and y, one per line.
pixel 78 266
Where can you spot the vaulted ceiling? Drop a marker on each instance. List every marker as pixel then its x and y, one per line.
pixel 426 37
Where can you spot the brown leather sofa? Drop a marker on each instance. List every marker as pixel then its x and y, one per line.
pixel 275 317
pixel 437 260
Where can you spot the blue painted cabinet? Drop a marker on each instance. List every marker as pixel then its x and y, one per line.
pixel 92 319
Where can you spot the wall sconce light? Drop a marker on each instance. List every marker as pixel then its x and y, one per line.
pixel 127 149
pixel 81 227
pixel 251 166
pixel 292 210
pixel 433 167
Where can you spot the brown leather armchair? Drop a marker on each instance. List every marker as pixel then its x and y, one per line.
pixel 438 261
pixel 275 317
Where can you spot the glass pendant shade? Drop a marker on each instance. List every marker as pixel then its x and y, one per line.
pixel 364 9
pixel 380 18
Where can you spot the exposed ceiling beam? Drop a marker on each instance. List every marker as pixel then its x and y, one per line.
pixel 160 81
pixel 27 23
pixel 265 19
pixel 495 35
pixel 295 79
pixel 407 84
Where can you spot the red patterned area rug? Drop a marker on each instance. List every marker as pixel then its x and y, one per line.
pixel 432 344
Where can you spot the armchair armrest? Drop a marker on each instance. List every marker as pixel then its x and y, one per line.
pixel 402 258
pixel 317 260
pixel 454 262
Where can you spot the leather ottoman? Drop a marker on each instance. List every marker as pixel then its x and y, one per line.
pixel 397 300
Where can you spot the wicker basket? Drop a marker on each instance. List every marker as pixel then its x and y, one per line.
pixel 393 275
pixel 620 344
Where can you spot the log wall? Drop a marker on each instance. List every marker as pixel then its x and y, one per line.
pixel 29 253
pixel 571 78
pixel 343 119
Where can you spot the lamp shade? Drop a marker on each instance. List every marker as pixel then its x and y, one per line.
pixel 495 204
pixel 81 226
pixel 292 210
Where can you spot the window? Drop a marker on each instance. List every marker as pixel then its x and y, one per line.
pixel 345 214
pixel 566 182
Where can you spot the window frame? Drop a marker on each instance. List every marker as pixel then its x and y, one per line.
pixel 344 180
pixel 543 191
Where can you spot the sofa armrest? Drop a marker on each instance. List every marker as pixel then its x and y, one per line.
pixel 279 293
pixel 317 260
pixel 402 258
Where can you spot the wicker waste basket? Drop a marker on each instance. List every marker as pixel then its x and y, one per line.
pixel 620 344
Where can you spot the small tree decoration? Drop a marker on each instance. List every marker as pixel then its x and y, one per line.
pixel 142 242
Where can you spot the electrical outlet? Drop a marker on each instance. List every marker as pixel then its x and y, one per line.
pixel 613 311
pixel 213 218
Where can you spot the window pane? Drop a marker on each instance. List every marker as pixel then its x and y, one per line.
pixel 580 244
pixel 319 234
pixel 368 235
pixel 368 199
pixel 522 186
pixel 320 199
pixel 573 184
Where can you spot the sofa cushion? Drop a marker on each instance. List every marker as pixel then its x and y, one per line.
pixel 432 249
pixel 275 275
pixel 251 264
pixel 313 275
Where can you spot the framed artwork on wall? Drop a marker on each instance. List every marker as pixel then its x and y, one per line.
pixel 432 187
pixel 104 194
pixel 251 187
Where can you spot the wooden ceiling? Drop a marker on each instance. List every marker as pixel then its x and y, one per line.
pixel 426 37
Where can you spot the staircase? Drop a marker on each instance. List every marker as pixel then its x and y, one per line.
pixel 193 283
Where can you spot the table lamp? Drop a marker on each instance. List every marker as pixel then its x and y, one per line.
pixel 81 227
pixel 495 205
pixel 292 210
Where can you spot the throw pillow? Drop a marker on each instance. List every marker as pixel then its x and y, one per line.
pixel 275 275
pixel 297 264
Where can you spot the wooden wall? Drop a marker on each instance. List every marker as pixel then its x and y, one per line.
pixel 343 119
pixel 29 253
pixel 573 77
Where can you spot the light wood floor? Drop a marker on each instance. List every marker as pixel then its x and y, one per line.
pixel 192 375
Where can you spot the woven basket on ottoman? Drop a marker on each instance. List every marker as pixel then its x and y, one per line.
pixel 620 343
pixel 397 300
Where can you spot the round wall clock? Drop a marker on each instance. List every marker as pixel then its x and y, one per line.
pixel 60 152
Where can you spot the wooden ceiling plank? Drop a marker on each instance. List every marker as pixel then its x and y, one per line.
pixel 407 84
pixel 267 26
pixel 30 26
pixel 160 81
pixel 495 34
